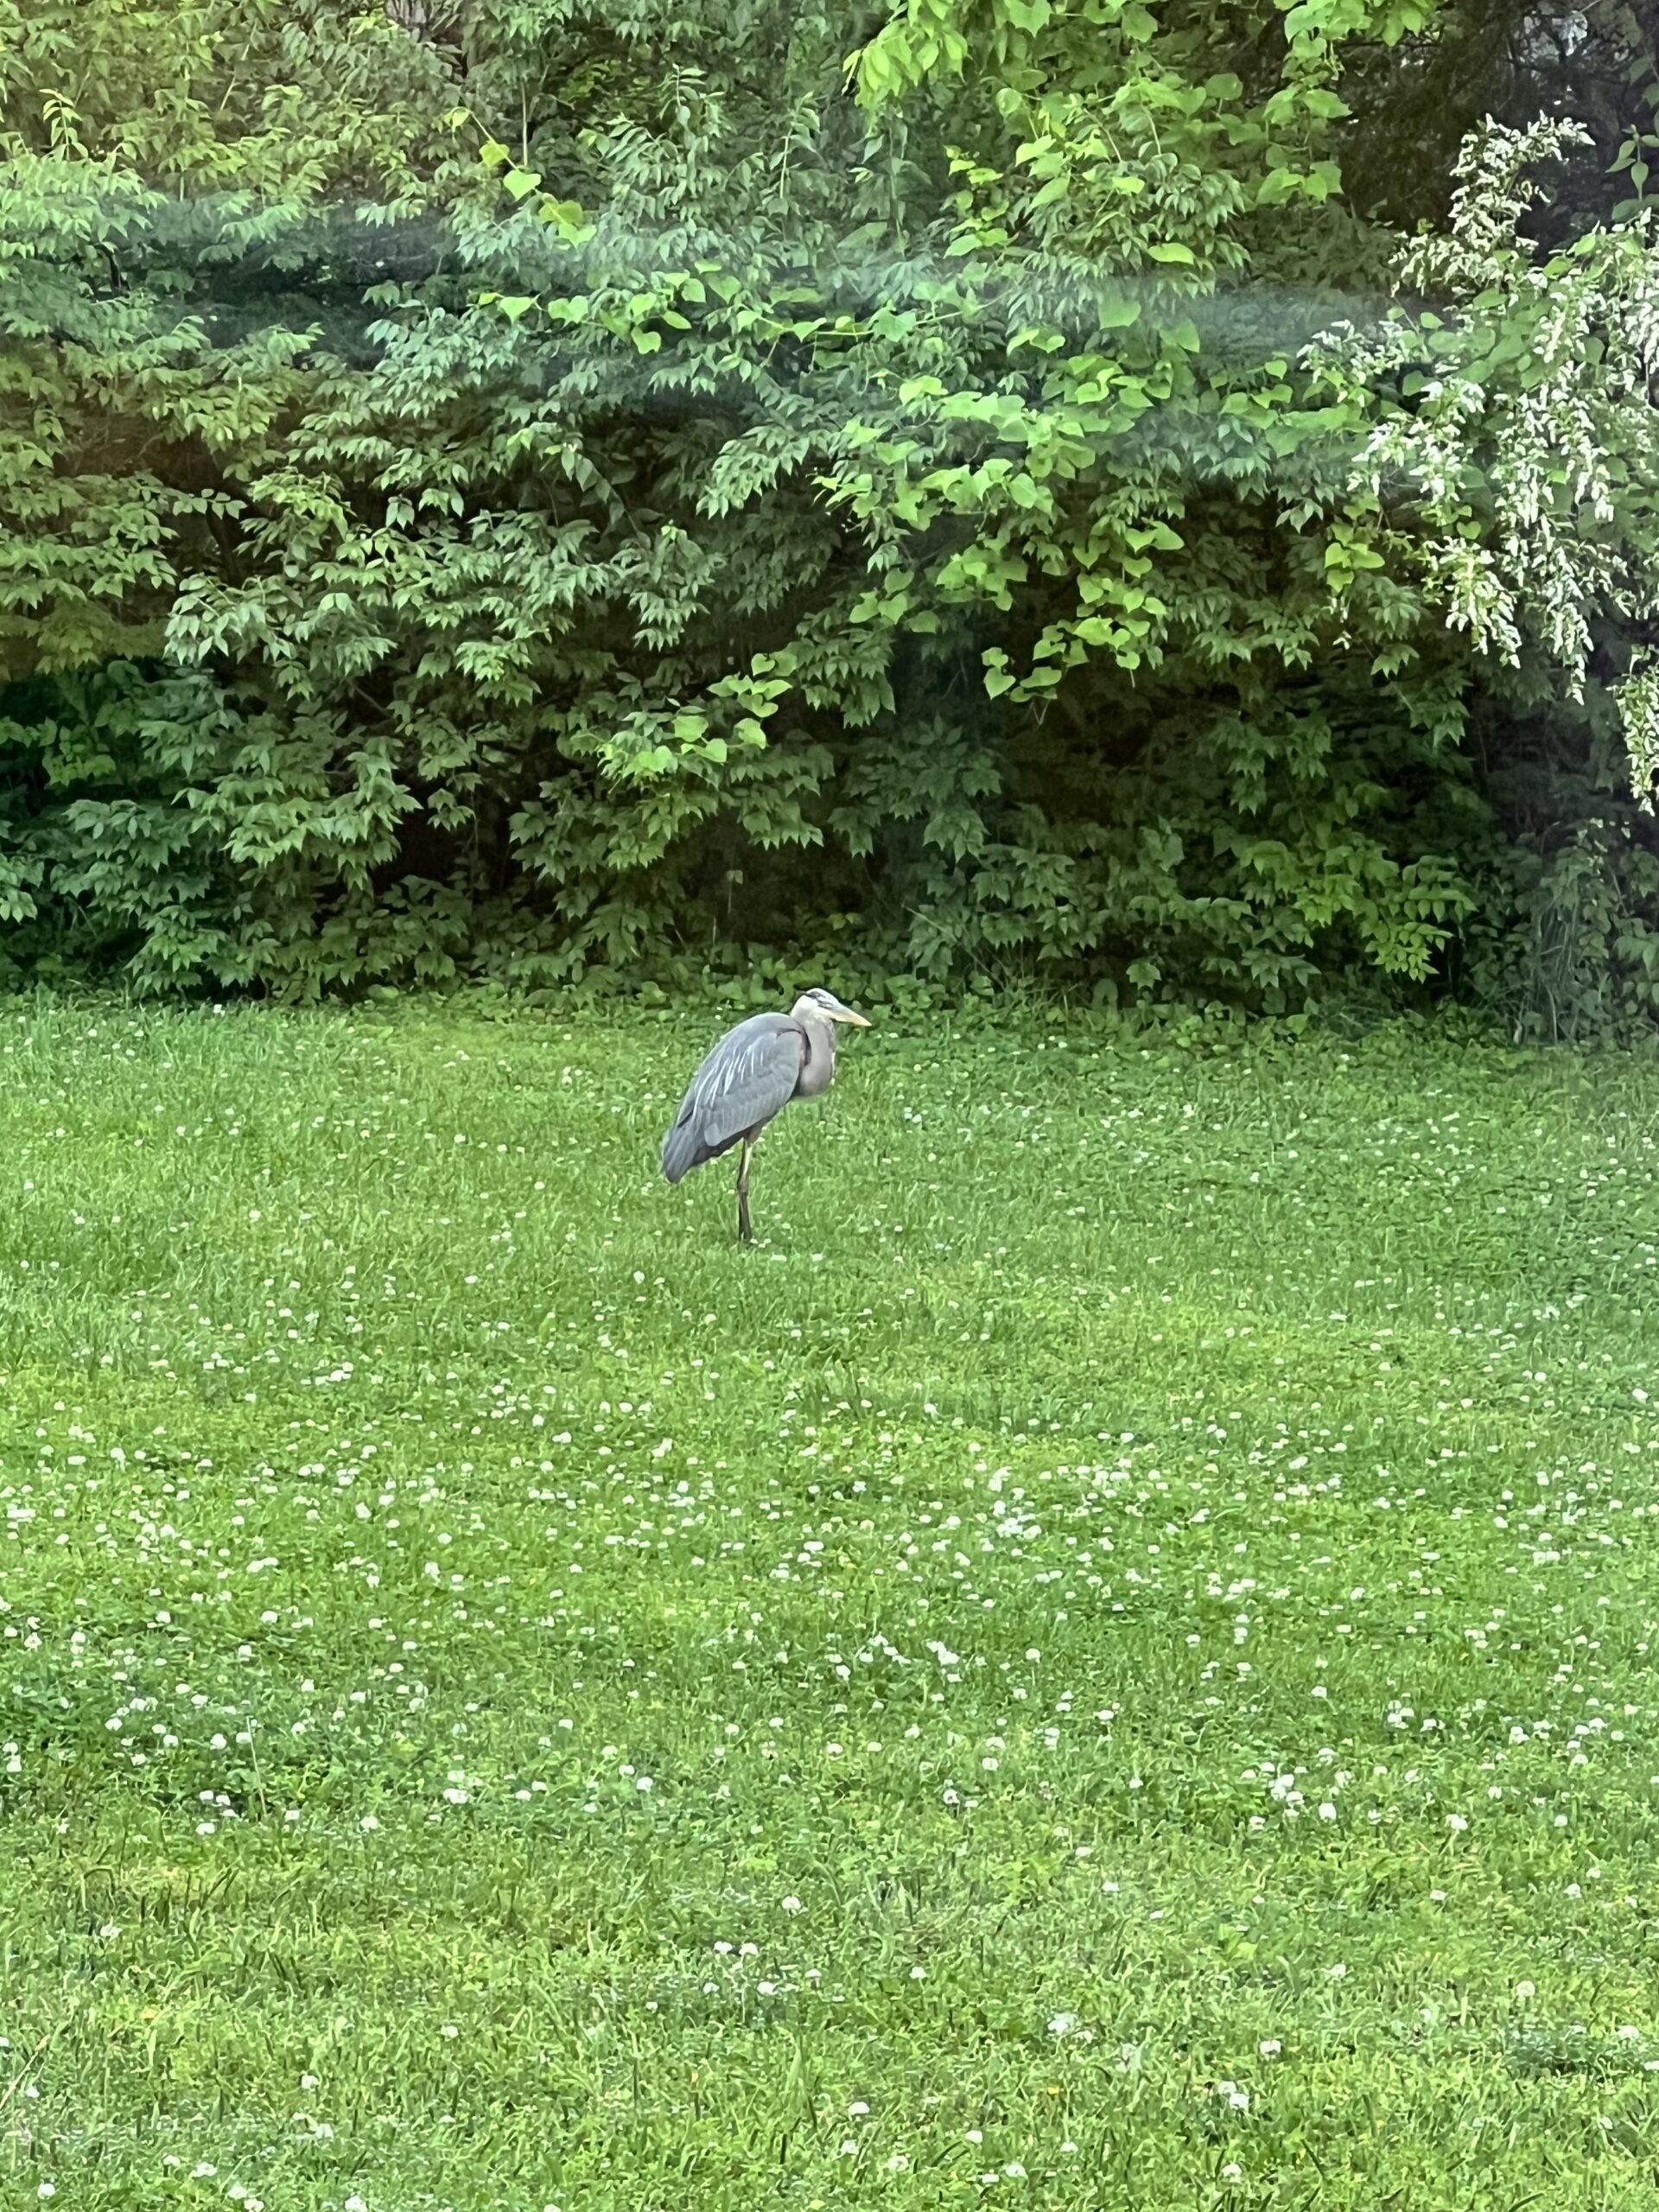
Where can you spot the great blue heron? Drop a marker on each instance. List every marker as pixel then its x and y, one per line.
pixel 749 1078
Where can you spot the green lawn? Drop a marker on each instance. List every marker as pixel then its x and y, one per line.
pixel 1104 1663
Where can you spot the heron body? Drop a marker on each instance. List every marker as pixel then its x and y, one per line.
pixel 748 1080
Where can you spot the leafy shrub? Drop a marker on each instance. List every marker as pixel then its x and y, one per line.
pixel 604 499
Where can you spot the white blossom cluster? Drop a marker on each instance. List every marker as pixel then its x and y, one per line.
pixel 1520 479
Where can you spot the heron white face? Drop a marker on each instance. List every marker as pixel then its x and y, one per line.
pixel 827 1004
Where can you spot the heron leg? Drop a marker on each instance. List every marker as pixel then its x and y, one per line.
pixel 744 1231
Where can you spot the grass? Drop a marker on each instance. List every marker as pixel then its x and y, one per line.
pixel 1105 1663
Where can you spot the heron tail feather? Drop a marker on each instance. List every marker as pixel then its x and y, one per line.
pixel 680 1151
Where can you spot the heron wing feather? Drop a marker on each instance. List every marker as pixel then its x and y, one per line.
pixel 749 1076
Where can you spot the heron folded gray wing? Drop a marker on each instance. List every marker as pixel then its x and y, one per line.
pixel 750 1076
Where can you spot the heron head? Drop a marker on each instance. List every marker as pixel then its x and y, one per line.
pixel 826 1004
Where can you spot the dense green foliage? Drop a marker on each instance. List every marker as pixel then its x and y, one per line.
pixel 543 490
pixel 1106 1660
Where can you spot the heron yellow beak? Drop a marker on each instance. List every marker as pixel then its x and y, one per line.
pixel 858 1020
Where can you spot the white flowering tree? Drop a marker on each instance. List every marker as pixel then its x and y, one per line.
pixel 1513 473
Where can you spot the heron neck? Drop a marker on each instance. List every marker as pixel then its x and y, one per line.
pixel 820 1069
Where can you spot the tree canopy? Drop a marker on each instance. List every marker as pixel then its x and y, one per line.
pixel 1130 490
